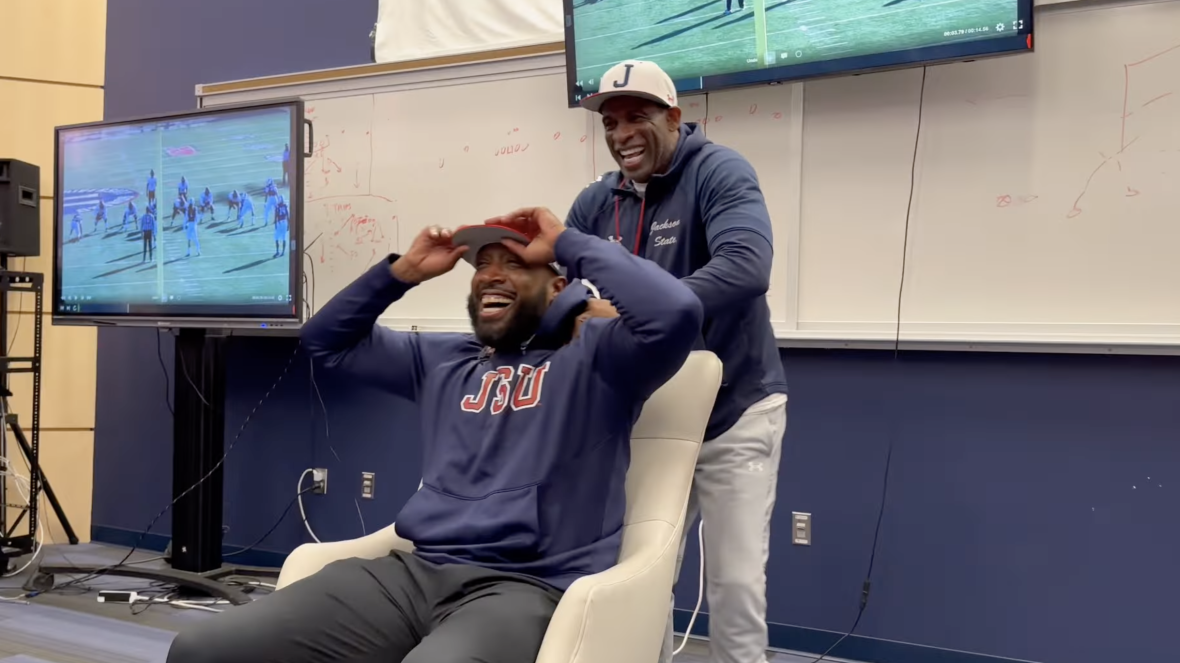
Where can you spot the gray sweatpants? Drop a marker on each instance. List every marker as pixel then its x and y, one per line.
pixel 734 492
pixel 397 609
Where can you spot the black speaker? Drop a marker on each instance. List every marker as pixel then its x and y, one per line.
pixel 20 208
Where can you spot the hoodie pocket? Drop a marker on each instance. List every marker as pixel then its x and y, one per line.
pixel 501 526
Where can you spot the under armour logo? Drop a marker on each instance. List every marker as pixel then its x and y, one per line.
pixel 754 467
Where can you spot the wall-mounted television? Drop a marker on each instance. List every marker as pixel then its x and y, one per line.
pixel 708 45
pixel 185 220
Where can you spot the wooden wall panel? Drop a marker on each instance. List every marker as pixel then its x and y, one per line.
pixel 68 372
pixel 52 74
pixel 30 111
pixel 54 40
pixel 67 458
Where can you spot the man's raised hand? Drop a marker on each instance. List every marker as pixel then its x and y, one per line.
pixel 432 254
pixel 536 222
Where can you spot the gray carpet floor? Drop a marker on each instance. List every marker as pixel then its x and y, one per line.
pixel 71 626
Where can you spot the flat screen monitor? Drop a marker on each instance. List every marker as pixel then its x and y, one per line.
pixel 192 219
pixel 708 45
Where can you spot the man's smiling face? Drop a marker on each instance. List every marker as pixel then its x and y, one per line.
pixel 508 298
pixel 641 135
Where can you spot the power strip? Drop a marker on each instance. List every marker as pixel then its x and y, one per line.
pixel 107 596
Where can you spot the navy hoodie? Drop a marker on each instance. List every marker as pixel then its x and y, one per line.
pixel 704 221
pixel 526 452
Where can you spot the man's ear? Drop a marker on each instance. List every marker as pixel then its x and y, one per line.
pixel 673 114
pixel 556 286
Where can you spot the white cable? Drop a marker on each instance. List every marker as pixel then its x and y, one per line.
pixel 360 515
pixel 21 482
pixel 299 498
pixel 178 603
pixel 191 606
pixel 700 588
pixel 39 541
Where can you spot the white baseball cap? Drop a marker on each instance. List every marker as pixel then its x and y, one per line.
pixel 633 78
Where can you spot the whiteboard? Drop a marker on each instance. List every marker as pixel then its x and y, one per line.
pixel 1045 206
pixel 484 140
pixel 1047 196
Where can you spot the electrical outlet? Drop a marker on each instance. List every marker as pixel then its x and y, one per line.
pixel 801 528
pixel 367 479
pixel 319 478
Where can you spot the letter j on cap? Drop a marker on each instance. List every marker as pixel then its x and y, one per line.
pixel 626 76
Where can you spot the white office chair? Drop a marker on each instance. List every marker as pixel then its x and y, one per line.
pixel 619 615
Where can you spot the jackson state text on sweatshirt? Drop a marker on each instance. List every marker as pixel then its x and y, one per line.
pixel 526 452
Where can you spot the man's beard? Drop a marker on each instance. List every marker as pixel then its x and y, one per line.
pixel 510 334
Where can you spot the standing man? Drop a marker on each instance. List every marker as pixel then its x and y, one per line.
pixel 76 231
pixel 192 218
pixel 100 215
pixel 272 200
pixel 147 224
pixel 286 164
pixel 282 215
pixel 695 209
pixel 151 186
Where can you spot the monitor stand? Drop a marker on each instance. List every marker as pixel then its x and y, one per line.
pixel 198 447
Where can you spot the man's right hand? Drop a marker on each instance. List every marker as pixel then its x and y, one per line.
pixel 432 254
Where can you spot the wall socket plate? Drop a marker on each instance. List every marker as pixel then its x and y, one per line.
pixel 800 528
pixel 319 477
pixel 367 485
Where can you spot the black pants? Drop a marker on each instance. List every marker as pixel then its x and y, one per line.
pixel 398 609
pixel 729 5
pixel 147 246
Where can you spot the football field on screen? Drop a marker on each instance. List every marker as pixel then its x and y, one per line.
pixel 235 265
pixel 695 37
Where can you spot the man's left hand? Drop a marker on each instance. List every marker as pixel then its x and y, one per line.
pixel 595 308
pixel 535 222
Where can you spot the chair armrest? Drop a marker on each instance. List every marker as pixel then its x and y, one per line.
pixel 309 558
pixel 618 615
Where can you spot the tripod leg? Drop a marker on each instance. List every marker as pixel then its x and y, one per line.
pixel 36 467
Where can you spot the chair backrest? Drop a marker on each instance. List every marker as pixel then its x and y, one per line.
pixel 619 616
pixel 665 443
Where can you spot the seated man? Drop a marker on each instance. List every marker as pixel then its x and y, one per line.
pixel 526 429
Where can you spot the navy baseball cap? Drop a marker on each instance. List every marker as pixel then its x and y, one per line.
pixel 478 236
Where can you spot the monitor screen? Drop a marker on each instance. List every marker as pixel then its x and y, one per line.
pixel 716 44
pixel 191 218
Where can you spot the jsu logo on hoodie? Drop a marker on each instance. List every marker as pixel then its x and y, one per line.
pixel 496 386
pixel 663 233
